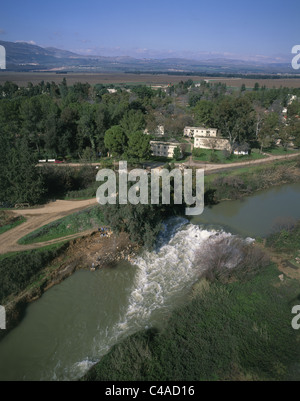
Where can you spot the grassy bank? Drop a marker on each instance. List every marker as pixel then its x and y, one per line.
pixel 24 276
pixel 234 331
pixel 286 242
pixel 72 224
pixel 21 269
pixel 244 181
pixel 218 156
pixel 9 221
pixel 287 239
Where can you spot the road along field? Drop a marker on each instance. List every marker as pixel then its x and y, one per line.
pixel 39 217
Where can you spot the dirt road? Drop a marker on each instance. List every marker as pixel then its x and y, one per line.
pixel 213 167
pixel 37 218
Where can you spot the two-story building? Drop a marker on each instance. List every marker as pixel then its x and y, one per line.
pixel 207 138
pixel 164 149
pixel 190 132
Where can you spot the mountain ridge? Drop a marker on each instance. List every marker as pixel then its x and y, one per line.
pixel 23 56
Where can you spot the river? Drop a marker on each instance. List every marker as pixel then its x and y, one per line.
pixel 74 323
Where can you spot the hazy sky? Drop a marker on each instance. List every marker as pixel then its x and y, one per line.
pixel 155 28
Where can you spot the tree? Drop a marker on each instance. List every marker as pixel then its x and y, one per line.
pixel 293 110
pixel 86 127
pixel 138 146
pixel 143 92
pixel 116 140
pixel 20 180
pixel 285 135
pixel 177 153
pixel 235 119
pixel 295 130
pixel 132 121
pixel 67 143
pixel 204 113
pixel 289 133
pixel 31 116
pixel 266 134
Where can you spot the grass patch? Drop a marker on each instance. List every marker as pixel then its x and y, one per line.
pixel 72 224
pixel 219 156
pixel 21 269
pixel 286 240
pixel 82 194
pixel 164 159
pixel 11 224
pixel 225 332
pixel 280 151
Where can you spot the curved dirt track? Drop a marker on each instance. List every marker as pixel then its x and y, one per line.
pixel 37 218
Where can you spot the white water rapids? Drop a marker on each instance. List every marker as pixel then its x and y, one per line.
pixel 162 279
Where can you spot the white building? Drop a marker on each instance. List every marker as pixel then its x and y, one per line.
pixel 207 138
pixel 191 132
pixel 164 149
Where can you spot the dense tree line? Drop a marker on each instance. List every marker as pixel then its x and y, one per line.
pixel 86 123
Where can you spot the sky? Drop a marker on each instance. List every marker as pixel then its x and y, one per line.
pixel 195 29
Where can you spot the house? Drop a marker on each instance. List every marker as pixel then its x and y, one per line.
pixel 207 138
pixel 164 149
pixel 213 143
pixel 201 131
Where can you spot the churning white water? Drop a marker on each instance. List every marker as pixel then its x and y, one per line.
pixel 164 276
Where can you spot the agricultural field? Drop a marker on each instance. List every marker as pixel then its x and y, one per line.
pixel 22 79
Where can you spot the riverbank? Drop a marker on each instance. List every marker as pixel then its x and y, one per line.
pixel 52 267
pixel 235 184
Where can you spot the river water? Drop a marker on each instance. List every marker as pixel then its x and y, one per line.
pixel 76 322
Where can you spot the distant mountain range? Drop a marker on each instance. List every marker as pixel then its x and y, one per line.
pixel 22 56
